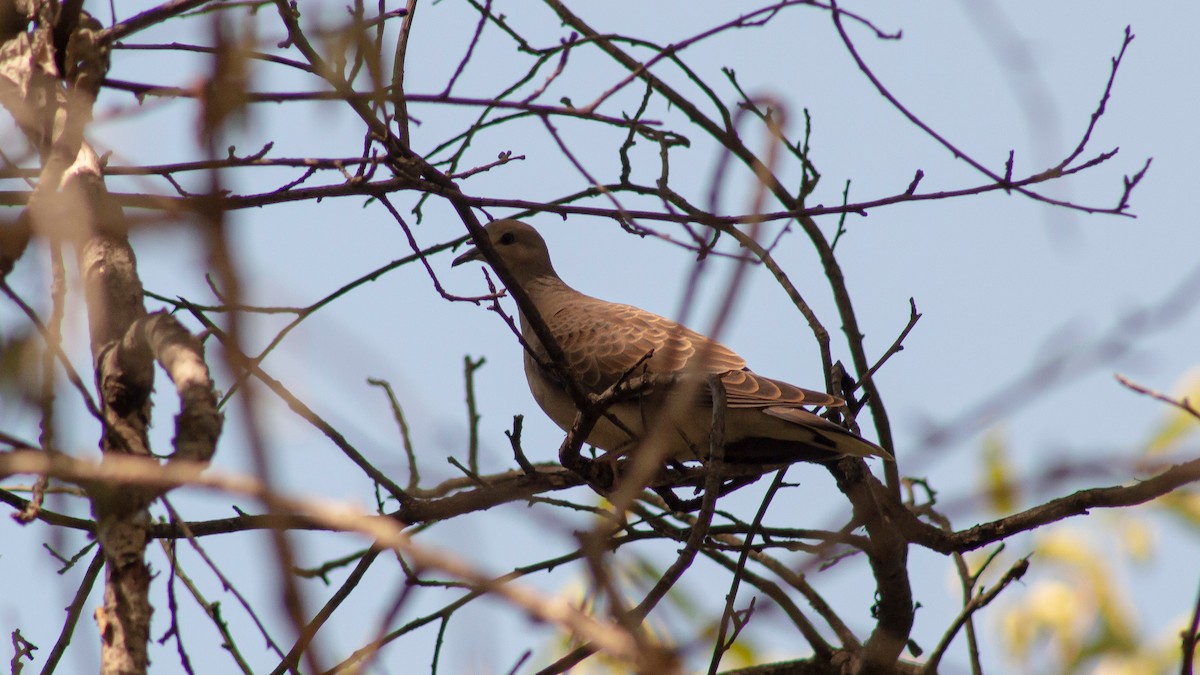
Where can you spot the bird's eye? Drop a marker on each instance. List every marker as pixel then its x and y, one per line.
pixel 507 238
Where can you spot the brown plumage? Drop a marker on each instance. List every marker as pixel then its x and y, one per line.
pixel 603 342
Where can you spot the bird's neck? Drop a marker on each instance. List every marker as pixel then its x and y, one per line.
pixel 549 294
pixel 548 291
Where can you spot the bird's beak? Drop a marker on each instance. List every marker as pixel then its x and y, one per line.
pixel 467 256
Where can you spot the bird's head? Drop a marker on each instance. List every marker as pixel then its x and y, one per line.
pixel 519 246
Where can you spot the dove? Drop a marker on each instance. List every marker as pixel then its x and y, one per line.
pixel 766 421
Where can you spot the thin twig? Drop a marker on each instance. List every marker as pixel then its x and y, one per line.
pixel 73 612
pixel 1183 404
pixel 414 474
pixel 976 603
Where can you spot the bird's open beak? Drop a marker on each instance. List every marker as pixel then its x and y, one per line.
pixel 467 256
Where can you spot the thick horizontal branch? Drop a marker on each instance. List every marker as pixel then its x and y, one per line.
pixel 510 486
pixel 1076 504
pixel 497 489
pixel 513 486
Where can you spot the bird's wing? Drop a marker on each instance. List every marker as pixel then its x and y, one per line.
pixel 604 342
pixel 746 389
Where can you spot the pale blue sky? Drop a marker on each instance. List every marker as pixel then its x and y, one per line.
pixel 1001 282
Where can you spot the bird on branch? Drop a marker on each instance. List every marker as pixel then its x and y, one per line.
pixel 606 344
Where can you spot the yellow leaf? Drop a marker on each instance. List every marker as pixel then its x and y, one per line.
pixel 1184 504
pixel 1065 545
pixel 1137 537
pixel 1051 609
pixel 998 484
pixel 1126 664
